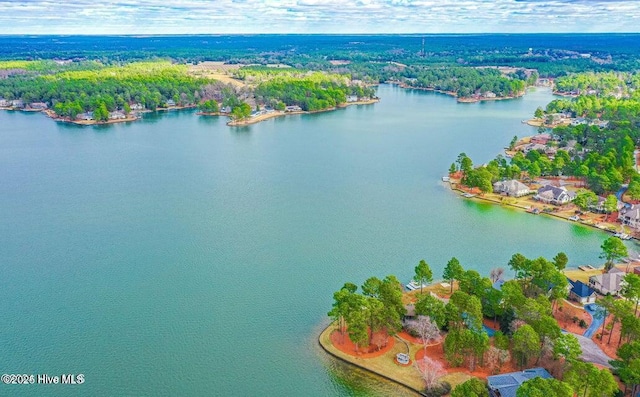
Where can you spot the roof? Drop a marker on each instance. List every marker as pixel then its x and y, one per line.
pixel 609 282
pixel 555 191
pixel 508 384
pixel 498 284
pixel 581 289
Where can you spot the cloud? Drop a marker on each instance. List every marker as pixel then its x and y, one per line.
pixel 316 16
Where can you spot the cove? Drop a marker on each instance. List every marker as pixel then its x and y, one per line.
pixel 179 256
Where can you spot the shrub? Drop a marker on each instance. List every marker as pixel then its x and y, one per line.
pixel 582 323
pixel 442 389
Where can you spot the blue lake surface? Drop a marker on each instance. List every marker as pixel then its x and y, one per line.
pixel 180 256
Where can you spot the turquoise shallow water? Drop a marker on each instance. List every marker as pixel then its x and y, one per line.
pixel 179 256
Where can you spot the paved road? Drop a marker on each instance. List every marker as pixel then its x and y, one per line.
pixel 592 352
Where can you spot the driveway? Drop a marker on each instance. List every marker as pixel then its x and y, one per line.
pixel 592 352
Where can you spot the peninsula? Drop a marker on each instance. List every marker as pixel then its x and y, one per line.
pixel 466 333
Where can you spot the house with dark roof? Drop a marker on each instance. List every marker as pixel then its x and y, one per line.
pixel 506 385
pixel 581 292
pixel 554 195
pixel 511 188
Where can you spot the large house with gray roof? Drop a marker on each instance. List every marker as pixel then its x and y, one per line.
pixel 511 188
pixel 554 195
pixel 506 385
pixel 608 283
pixel 630 216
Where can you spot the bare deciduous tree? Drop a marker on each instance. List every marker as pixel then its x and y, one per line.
pixel 496 274
pixel 496 358
pixel 430 371
pixel 426 329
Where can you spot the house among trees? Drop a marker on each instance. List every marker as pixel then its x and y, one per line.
pixel 607 283
pixel 3 103
pixel 554 195
pixel 85 116
pixel 506 385
pixel 630 216
pixel 511 188
pixel 580 292
pixel 17 103
pixel 540 139
pixel 38 105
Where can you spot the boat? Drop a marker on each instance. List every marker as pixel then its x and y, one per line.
pixel 445 179
pixel 574 218
pixel 468 195
pixel 622 236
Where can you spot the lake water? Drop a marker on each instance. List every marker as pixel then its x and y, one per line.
pixel 179 256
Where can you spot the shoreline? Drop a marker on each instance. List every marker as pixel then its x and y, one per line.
pixel 325 343
pixel 521 207
pixel 57 118
pixel 279 113
pixel 455 95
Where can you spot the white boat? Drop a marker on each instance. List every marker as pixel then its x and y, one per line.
pixel 622 236
pixel 574 218
pixel 445 179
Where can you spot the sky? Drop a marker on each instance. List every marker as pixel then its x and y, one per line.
pixel 317 16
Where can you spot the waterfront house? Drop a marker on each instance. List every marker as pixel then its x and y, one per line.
pixel 506 385
pixel 607 283
pixel 38 105
pixel 170 103
pixel 511 188
pixel 541 139
pixel 137 106
pixel 630 216
pixel 86 116
pixel 3 103
pixel 352 98
pixel 554 195
pixel 580 292
pixel 17 103
pixel 117 115
pixel 293 108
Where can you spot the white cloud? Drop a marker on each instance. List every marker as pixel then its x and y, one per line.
pixel 316 16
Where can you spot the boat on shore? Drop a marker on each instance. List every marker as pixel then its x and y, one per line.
pixel 622 236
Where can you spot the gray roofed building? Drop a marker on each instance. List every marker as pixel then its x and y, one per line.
pixel 607 283
pixel 506 385
pixel 554 195
pixel 511 188
pixel 630 216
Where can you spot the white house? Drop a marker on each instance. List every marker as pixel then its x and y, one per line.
pixel 554 195
pixel 511 188
pixel 607 283
pixel 630 216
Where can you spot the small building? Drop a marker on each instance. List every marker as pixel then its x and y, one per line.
pixel 86 116
pixel 554 195
pixel 630 216
pixel 17 103
pixel 489 94
pixel 352 98
pixel 137 106
pixel 117 115
pixel 580 292
pixel 4 103
pixel 608 283
pixel 541 139
pixel 38 105
pixel 511 188
pixel 578 121
pixel 506 385
pixel 170 103
pixel 294 108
